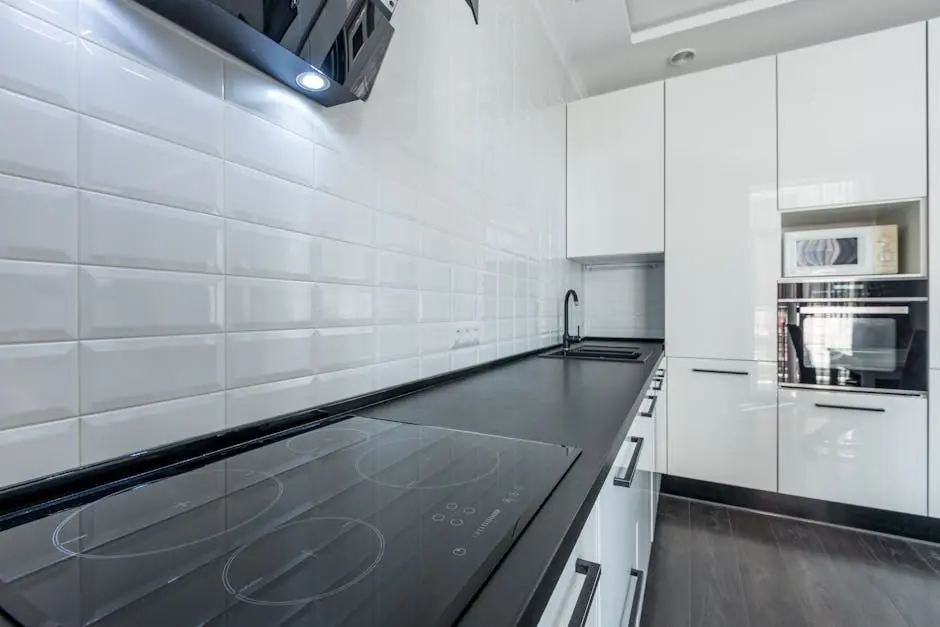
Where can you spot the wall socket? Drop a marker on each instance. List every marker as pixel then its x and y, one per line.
pixel 466 336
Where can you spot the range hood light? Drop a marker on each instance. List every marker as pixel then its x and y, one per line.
pixel 312 81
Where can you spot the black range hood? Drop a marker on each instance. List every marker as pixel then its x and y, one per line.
pixel 328 50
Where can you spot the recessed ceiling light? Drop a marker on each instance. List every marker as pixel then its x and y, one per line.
pixel 682 57
pixel 312 81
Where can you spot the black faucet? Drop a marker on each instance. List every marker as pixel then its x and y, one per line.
pixel 567 338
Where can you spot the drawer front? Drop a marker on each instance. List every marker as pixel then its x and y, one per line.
pixel 562 604
pixel 860 449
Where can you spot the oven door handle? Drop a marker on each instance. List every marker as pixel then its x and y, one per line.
pixel 875 410
pixel 582 608
pixel 738 373
pixel 841 311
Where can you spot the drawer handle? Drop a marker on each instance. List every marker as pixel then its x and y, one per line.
pixel 876 410
pixel 660 372
pixel 625 480
pixel 739 373
pixel 657 385
pixel 649 412
pixel 592 572
pixel 637 592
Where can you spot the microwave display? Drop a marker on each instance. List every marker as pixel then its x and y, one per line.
pixel 839 251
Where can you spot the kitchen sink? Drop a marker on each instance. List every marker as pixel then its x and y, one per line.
pixel 600 352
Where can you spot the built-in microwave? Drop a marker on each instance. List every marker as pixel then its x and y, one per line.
pixel 859 250
pixel 864 335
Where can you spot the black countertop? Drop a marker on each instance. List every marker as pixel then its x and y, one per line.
pixel 581 403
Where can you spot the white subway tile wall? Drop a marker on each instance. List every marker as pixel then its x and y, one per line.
pixel 623 301
pixel 186 245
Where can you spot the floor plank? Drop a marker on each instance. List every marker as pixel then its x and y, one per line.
pixel 717 589
pixel 668 590
pixel 907 579
pixel 770 596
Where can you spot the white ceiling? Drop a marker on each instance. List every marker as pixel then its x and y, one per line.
pixel 594 36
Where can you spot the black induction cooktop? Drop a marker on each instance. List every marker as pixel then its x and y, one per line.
pixel 360 523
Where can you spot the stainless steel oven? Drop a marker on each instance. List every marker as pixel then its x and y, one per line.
pixel 864 335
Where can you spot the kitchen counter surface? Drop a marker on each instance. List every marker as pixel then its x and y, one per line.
pixel 563 401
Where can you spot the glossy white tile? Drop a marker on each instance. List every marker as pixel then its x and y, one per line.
pixel 119 161
pixel 262 357
pixel 131 94
pixel 435 307
pixel 506 330
pixel 258 197
pixel 338 175
pixel 396 342
pixel 340 262
pixel 38 450
pixel 463 358
pixel 118 302
pixel 267 304
pixel 255 250
pixel 130 29
pixel 435 276
pixel 40 140
pixel 260 402
pixel 396 306
pixel 464 280
pixel 258 144
pixel 463 307
pixel 340 349
pixel 38 221
pixel 40 302
pixel 116 433
pixel 38 383
pixel 345 305
pixel 397 270
pixel 435 364
pixel 124 373
pixel 333 386
pixel 268 99
pixel 395 197
pixel 437 338
pixel 487 352
pixel 396 372
pixel 338 218
pixel 62 13
pixel 397 234
pixel 117 231
pixel 44 66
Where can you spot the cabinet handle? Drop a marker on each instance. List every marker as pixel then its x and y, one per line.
pixel 592 572
pixel 876 410
pixel 625 479
pixel 637 593
pixel 657 385
pixel 649 413
pixel 660 372
pixel 739 373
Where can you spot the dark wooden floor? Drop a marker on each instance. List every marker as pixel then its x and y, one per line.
pixel 714 566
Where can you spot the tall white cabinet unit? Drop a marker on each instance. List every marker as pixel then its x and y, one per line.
pixel 722 263
pixel 933 102
pixel 615 173
pixel 853 123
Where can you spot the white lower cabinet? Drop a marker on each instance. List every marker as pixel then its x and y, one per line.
pixel 562 604
pixel 933 454
pixel 723 421
pixel 860 449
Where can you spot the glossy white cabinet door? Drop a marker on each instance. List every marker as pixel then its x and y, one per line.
pixel 853 120
pixel 722 225
pixel 723 421
pixel 861 449
pixel 933 102
pixel 561 605
pixel 662 421
pixel 615 173
pixel 933 450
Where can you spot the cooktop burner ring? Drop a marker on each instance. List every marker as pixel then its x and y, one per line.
pixel 60 544
pixel 416 484
pixel 292 443
pixel 247 598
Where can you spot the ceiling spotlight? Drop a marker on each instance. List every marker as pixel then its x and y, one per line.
pixel 682 57
pixel 312 81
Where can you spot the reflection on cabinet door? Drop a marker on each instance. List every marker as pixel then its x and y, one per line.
pixel 853 119
pixel 861 449
pixel 723 421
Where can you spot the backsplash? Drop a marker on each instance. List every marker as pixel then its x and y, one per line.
pixel 626 300
pixel 186 246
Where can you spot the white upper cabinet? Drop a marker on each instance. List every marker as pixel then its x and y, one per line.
pixel 933 225
pixel 853 120
pixel 722 225
pixel 860 449
pixel 615 173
